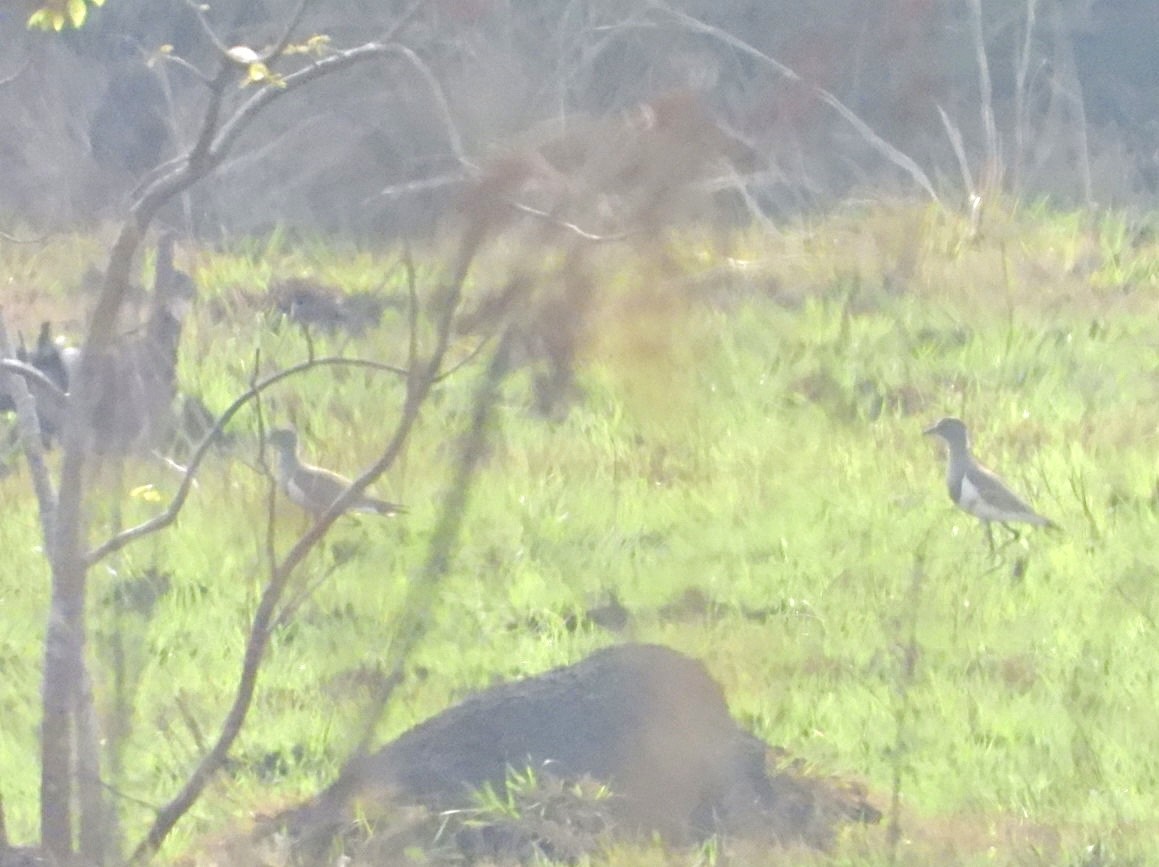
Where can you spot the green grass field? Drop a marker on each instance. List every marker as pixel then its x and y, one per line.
pixel 749 429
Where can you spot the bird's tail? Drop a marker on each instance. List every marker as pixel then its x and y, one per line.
pixel 382 507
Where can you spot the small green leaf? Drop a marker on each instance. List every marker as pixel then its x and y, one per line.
pixel 160 54
pixel 58 14
pixel 78 10
pixel 258 72
pixel 148 493
pixel 41 19
pixel 46 19
pixel 317 45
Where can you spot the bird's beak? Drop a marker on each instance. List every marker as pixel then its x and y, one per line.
pixel 930 430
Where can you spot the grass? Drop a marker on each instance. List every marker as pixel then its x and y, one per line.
pixel 749 429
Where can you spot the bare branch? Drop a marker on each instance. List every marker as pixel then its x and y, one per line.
pixel 163 519
pixel 94 816
pixel 425 185
pixel 445 180
pixel 259 637
pixel 287 32
pixel 411 624
pixel 1068 85
pixel 182 63
pixel 420 379
pixel 288 611
pixel 20 70
pixel 1022 94
pixel 453 138
pixel 66 630
pixel 873 139
pixel 565 224
pixel 724 36
pixel 412 311
pixel 993 173
pixel 12 239
pixel 261 629
pixel 28 372
pixel 955 136
pixel 883 147
pixel 200 11
pixel 29 422
pixel 245 114
pixel 402 21
pixel 65 634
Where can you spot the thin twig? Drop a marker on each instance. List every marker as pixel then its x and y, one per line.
pixel 272 490
pixel 29 421
pixel 992 177
pixel 287 32
pixel 879 144
pixel 412 311
pixel 955 136
pixel 201 13
pixel 182 63
pixel 412 621
pixel 402 21
pixel 420 380
pixel 29 372
pixel 12 239
pixel 1022 95
pixel 895 156
pixel 64 640
pixel 171 511
pixel 288 611
pixel 724 36
pixel 20 70
pixel 569 226
pixel 454 138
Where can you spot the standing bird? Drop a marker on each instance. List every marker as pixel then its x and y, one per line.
pixel 50 390
pixel 313 488
pixel 976 489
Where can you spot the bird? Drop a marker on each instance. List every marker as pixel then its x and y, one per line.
pixel 978 490
pixel 49 391
pixel 315 489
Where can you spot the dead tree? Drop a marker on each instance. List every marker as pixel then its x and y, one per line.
pixel 137 383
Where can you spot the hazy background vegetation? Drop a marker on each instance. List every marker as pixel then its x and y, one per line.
pixel 714 414
pixel 89 114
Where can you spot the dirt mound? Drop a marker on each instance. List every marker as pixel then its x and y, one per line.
pixel 645 720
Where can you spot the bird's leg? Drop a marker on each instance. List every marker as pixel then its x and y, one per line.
pixel 1014 535
pixel 989 536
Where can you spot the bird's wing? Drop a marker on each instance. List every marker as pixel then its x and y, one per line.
pixel 996 494
pixel 320 487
